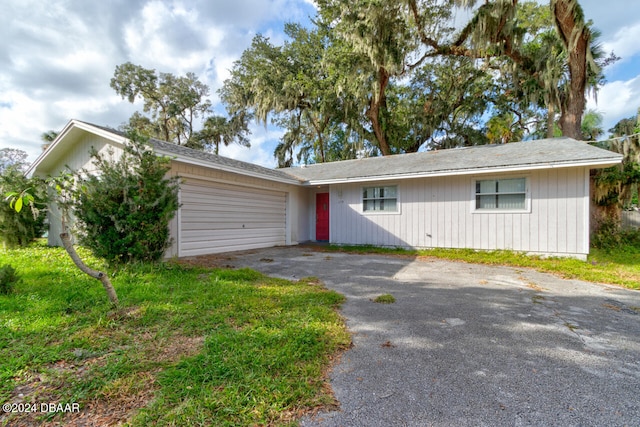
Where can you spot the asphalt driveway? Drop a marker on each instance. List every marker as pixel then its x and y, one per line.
pixel 472 345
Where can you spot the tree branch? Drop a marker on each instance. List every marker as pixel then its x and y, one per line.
pixel 99 275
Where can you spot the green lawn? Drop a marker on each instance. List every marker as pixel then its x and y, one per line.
pixel 188 346
pixel 618 267
pixel 194 346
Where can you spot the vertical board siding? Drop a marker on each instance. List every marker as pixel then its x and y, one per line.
pixel 76 159
pixel 224 211
pixel 223 217
pixel 438 212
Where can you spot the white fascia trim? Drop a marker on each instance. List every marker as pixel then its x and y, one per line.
pixel 601 163
pixel 62 135
pixel 103 133
pixel 225 168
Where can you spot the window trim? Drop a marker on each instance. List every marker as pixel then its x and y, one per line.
pixel 527 195
pixel 370 212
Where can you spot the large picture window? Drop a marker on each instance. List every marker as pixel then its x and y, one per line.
pixel 383 199
pixel 501 194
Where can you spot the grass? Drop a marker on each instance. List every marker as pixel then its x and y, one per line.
pixel 385 299
pixel 188 346
pixel 618 267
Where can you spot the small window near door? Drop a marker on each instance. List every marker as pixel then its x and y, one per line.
pixel 501 194
pixel 380 199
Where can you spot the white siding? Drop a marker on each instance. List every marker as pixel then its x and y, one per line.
pixel 219 217
pixel 186 227
pixel 75 159
pixel 438 212
pixel 216 205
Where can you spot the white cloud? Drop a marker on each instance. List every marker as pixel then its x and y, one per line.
pixel 261 152
pixel 58 57
pixel 617 100
pixel 625 42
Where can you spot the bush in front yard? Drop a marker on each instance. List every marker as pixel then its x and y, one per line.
pixel 21 228
pixel 124 209
pixel 8 278
pixel 610 235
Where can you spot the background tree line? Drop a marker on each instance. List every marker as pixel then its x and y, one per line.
pixel 379 77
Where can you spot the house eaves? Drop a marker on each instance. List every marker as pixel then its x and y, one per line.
pixel 64 142
pixel 74 130
pixel 513 157
pixel 208 160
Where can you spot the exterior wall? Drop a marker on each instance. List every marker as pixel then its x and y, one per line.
pixel 297 218
pixel 296 199
pixel 438 212
pixel 75 159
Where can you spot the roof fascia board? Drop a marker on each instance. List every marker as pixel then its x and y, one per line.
pixel 602 163
pixel 103 133
pixel 225 168
pixel 72 124
pixel 67 128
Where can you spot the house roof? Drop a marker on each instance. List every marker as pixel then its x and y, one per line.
pixel 75 128
pixel 517 156
pixel 201 158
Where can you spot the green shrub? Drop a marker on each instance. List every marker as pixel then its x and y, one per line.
pixel 610 235
pixel 21 228
pixel 124 209
pixel 8 278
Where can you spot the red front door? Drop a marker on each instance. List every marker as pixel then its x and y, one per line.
pixel 322 216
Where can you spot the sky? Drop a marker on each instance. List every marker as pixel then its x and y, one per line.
pixel 57 58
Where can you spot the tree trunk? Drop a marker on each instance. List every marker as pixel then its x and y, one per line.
pixel 68 246
pixel 576 37
pixel 551 115
pixel 374 112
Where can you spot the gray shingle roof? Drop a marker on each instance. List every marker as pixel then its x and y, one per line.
pixel 222 162
pixel 516 156
pixel 209 159
pixel 544 153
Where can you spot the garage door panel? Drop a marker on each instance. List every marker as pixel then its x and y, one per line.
pixel 226 206
pixel 203 227
pixel 218 217
pixel 228 191
pixel 237 214
pixel 214 199
pixel 199 236
pixel 237 243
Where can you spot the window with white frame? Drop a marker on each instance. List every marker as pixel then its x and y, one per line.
pixel 380 199
pixel 509 194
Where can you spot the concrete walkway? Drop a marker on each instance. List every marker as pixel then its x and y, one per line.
pixel 472 345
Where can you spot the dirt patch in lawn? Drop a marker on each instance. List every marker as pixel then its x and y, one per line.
pixel 118 400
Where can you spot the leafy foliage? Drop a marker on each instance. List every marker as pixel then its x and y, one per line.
pixel 173 102
pixel 610 236
pixel 22 219
pixel 8 278
pixel 617 186
pixel 174 105
pixel 12 157
pixel 393 77
pixel 219 130
pixel 125 207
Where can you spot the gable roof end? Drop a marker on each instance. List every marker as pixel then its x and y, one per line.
pixel 71 133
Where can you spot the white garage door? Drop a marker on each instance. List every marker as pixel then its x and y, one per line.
pixel 219 217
